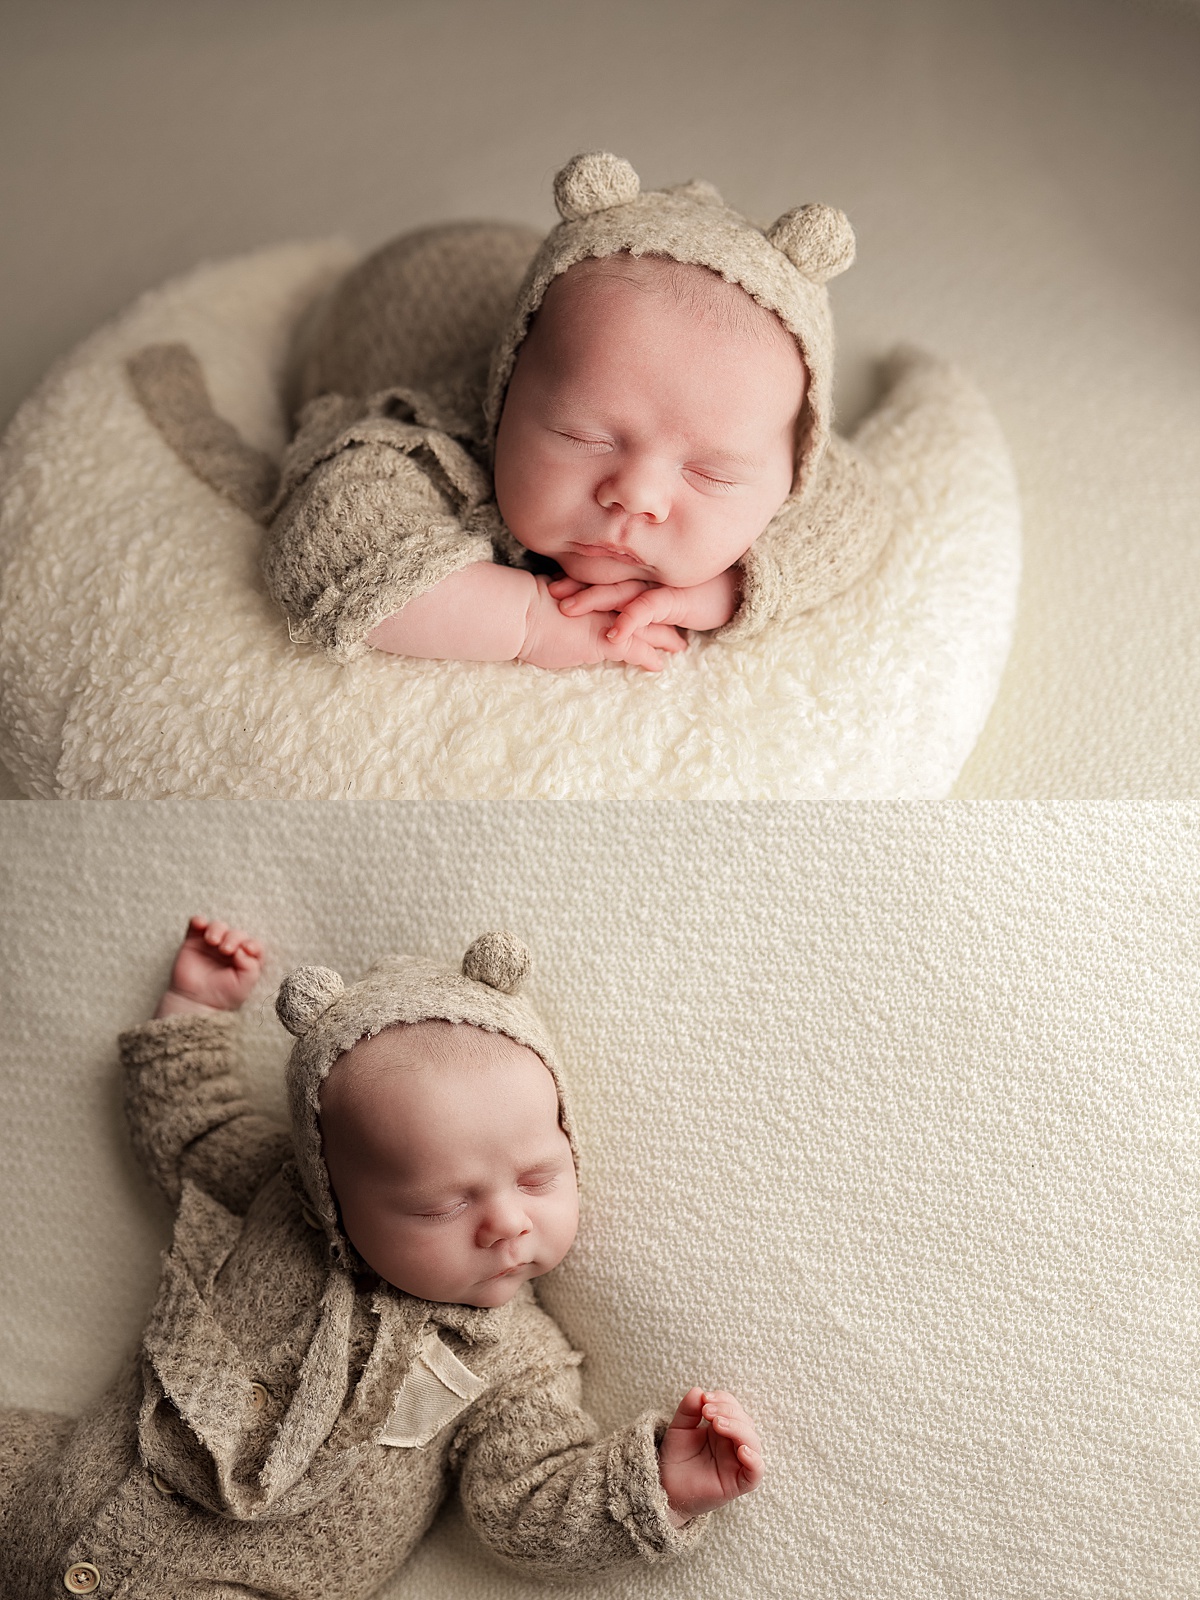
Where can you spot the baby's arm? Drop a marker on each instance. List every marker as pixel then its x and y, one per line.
pixel 638 605
pixel 710 1454
pixel 188 1116
pixel 488 612
pixel 542 1489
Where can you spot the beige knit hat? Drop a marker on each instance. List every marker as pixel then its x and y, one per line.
pixel 785 268
pixel 328 1018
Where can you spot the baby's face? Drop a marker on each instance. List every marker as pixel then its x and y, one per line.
pixel 648 433
pixel 454 1180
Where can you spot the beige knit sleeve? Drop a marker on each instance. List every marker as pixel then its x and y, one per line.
pixel 817 545
pixel 187 1113
pixel 375 506
pixel 546 1495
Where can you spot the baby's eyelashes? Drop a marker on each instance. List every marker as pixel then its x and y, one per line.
pixel 706 481
pixel 444 1214
pixel 537 1182
pixel 591 447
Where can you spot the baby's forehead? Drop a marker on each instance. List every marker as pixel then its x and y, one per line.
pixel 432 1043
pixel 697 290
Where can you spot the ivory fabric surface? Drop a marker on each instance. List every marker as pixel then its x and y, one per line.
pixel 142 657
pixel 887 1118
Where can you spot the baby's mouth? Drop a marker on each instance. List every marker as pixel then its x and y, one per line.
pixel 508 1272
pixel 616 551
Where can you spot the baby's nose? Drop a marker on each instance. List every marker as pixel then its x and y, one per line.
pixel 639 489
pixel 503 1219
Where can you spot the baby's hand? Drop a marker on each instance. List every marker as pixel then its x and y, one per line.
pixel 554 639
pixel 215 970
pixel 708 1455
pixel 637 604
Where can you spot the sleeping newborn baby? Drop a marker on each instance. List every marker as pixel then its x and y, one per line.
pixel 345 1320
pixel 558 452
pixel 648 437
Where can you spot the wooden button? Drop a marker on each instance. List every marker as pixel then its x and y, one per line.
pixel 81 1578
pixel 161 1484
pixel 258 1396
pixel 310 1217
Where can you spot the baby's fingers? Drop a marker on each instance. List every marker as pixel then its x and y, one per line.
pixel 637 654
pixel 560 588
pixel 646 648
pixel 750 1468
pixel 600 597
pixel 727 1415
pixel 651 606
pixel 736 1447
pixel 664 637
pixel 689 1413
pixel 247 955
pixel 223 940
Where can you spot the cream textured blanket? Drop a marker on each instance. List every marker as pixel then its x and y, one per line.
pixel 143 658
pixel 888 1119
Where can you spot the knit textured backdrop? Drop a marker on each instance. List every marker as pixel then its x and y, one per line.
pixel 889 1123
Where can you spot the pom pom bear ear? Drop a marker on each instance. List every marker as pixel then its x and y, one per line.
pixel 699 190
pixel 594 182
pixel 306 995
pixel 498 959
pixel 817 239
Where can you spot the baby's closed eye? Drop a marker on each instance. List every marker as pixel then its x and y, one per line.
pixel 443 1213
pixel 592 447
pixel 537 1182
pixel 707 480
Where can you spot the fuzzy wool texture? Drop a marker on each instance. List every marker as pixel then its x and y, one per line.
pixel 888 1124
pixel 142 657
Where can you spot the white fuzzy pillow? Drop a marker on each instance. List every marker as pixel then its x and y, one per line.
pixel 142 657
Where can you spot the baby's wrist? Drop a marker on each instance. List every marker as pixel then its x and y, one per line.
pixel 174 1004
pixel 553 639
pixel 715 602
pixel 533 615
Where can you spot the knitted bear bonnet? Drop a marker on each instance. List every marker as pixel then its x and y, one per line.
pixel 328 1018
pixel 605 211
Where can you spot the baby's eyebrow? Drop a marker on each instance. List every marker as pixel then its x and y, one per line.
pixel 429 1199
pixel 730 458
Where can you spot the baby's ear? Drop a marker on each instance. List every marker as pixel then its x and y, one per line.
pixel 594 182
pixel 498 959
pixel 306 995
pixel 816 239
